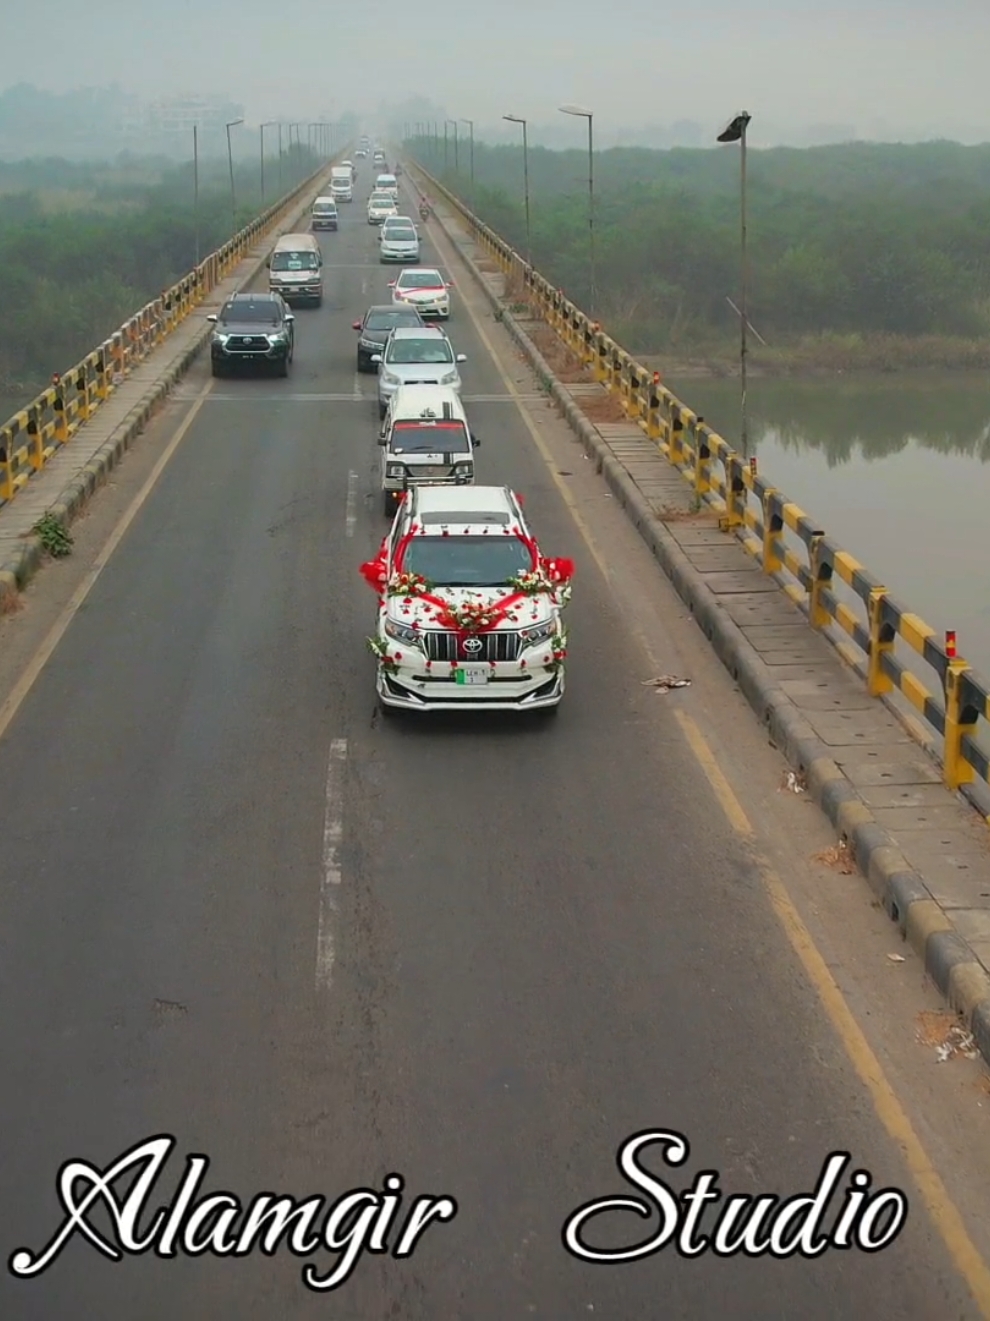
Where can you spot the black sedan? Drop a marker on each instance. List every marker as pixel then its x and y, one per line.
pixel 376 326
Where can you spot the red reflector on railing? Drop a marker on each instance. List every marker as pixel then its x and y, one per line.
pixel 950 644
pixel 752 465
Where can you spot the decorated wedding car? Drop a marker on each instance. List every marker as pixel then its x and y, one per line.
pixel 470 612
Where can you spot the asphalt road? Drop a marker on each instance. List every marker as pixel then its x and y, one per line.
pixel 543 938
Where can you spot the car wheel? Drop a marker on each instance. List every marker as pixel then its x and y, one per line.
pixel 388 505
pixel 388 712
pixel 283 367
pixel 547 712
pixel 217 369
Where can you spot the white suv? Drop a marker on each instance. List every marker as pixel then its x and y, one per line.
pixel 416 355
pixel 470 612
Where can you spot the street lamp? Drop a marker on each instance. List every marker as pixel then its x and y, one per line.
pixel 735 131
pixel 470 124
pixel 589 116
pixel 516 119
pixel 457 167
pixel 268 124
pixel 230 161
pixel 196 187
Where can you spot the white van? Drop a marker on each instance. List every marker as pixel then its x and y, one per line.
pixel 387 183
pixel 295 269
pixel 425 439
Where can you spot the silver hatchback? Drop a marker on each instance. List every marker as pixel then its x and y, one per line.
pixel 416 356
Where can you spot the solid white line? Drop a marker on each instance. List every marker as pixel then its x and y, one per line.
pixel 364 285
pixel 352 479
pixel 333 833
pixel 358 392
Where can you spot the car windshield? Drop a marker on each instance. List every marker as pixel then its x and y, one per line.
pixel 237 313
pixel 399 234
pixel 324 208
pixel 383 200
pixel 387 320
pixel 434 438
pixel 294 261
pixel 420 280
pixel 469 561
pixel 419 350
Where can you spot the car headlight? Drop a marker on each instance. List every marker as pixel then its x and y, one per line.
pixel 369 344
pixel 279 338
pixel 403 633
pixel 394 470
pixel 449 379
pixel 538 633
pixel 220 338
pixel 463 469
pixel 389 379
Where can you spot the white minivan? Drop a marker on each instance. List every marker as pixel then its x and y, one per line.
pixel 425 438
pixel 387 183
pixel 295 269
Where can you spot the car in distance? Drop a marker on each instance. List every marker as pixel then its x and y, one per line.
pixel 399 241
pixel 380 207
pixel 253 330
pixel 416 357
pixel 325 213
pixel 453 551
pixel 425 289
pixel 375 327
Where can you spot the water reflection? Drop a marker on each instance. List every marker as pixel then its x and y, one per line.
pixel 868 417
pixel 895 468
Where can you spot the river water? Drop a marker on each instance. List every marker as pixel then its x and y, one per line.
pixel 895 469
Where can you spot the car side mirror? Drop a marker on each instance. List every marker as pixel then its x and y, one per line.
pixel 461 357
pixel 289 317
pixel 268 263
pixel 476 441
pixel 356 325
pixel 376 357
pixel 212 317
pixel 383 438
pixel 391 284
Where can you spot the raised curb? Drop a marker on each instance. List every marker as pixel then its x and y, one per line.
pixel 947 957
pixel 18 570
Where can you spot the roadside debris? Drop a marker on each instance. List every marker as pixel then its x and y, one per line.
pixel 896 958
pixel 794 783
pixel 665 682
pixel 839 857
pixel 944 1032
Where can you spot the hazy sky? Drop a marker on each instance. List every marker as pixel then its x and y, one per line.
pixel 906 62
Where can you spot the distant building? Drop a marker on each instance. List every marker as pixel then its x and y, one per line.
pixel 179 114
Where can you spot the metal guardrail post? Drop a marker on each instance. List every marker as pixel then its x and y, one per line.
pixel 882 639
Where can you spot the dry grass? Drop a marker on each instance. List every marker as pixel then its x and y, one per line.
pixel 945 1033
pixel 602 408
pixel 564 364
pixel 838 858
pixel 11 602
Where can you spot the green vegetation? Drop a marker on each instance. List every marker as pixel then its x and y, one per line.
pixel 861 255
pixel 56 540
pixel 83 247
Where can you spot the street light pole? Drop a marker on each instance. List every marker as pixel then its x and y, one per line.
pixel 589 116
pixel 470 124
pixel 517 119
pixel 196 187
pixel 735 131
pixel 230 161
pixel 268 124
pixel 457 162
pixel 445 156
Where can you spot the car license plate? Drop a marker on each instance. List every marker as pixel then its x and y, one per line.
pixel 471 674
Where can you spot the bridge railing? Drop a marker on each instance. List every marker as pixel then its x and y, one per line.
pixel 33 435
pixel 900 657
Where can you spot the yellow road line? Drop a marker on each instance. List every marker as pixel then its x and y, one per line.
pixel 942 1210
pixel 44 653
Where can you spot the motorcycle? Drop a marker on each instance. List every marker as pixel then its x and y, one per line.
pixel 424 211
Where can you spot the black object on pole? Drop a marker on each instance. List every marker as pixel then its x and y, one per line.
pixel 735 131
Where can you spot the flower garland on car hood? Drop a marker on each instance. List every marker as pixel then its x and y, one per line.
pixel 549 577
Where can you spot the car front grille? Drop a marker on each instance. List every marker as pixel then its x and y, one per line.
pixel 248 344
pixel 427 470
pixel 495 647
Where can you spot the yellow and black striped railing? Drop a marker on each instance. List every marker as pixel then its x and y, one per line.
pixel 32 436
pixel 897 654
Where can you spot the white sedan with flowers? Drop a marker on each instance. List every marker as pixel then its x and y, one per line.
pixel 424 289
pixel 469 610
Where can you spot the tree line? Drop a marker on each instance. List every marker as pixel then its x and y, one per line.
pixel 82 248
pixel 861 240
